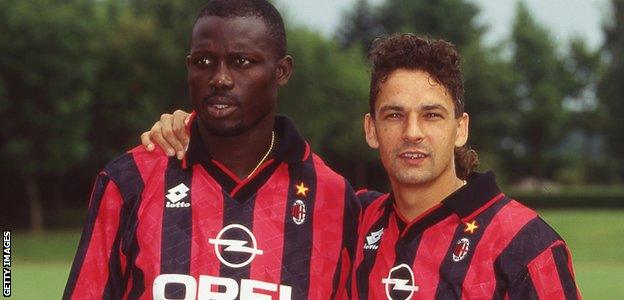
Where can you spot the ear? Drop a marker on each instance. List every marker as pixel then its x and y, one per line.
pixel 462 130
pixel 370 131
pixel 284 69
pixel 188 62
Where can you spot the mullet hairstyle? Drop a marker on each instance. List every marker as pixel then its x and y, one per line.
pixel 251 8
pixel 440 60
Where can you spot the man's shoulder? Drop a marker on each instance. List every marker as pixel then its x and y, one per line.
pixel 527 233
pixel 324 172
pixel 514 214
pixel 370 197
pixel 332 183
pixel 135 164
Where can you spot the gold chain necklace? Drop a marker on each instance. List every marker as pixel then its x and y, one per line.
pixel 265 155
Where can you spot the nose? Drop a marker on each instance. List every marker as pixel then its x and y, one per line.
pixel 412 132
pixel 222 78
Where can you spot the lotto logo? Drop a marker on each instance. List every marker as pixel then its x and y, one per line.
pixel 176 194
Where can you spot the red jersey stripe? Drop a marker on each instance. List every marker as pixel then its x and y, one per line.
pixel 430 254
pixel 326 229
pixel 480 281
pixel 543 272
pixel 149 225
pixel 371 220
pixel 376 289
pixel 207 222
pixel 93 275
pixel 269 215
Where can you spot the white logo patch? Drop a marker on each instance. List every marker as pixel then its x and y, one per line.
pixel 235 245
pixel 372 239
pixel 461 249
pixel 298 212
pixel 177 193
pixel 400 283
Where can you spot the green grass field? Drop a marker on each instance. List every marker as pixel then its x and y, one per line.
pixel 41 263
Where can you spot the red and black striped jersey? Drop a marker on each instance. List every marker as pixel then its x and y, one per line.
pixel 476 244
pixel 158 228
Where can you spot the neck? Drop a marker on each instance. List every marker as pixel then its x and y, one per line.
pixel 241 153
pixel 413 200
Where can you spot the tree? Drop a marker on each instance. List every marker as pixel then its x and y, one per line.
pixel 452 20
pixel 359 27
pixel 543 85
pixel 327 96
pixel 46 70
pixel 610 88
pixel 140 74
pixel 587 157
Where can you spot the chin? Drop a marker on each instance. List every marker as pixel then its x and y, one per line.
pixel 413 178
pixel 226 131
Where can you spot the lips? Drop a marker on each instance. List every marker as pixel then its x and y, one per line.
pixel 413 157
pixel 220 106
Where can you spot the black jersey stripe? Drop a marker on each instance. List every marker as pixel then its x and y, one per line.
pixel 534 238
pixel 369 256
pixel 452 274
pixel 349 229
pixel 522 290
pixel 336 279
pixel 96 199
pixel 405 252
pixel 416 230
pixel 176 235
pixel 407 245
pixel 226 182
pixel 128 178
pixel 298 237
pixel 560 254
pixel 240 214
pixel 115 285
pixel 366 198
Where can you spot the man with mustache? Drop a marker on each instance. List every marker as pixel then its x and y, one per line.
pixel 445 231
pixel 249 213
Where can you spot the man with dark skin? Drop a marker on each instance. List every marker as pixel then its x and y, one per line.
pixel 233 80
pixel 249 213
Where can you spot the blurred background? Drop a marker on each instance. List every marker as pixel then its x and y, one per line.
pixel 81 79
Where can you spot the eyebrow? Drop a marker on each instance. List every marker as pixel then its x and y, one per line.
pixel 388 107
pixel 428 107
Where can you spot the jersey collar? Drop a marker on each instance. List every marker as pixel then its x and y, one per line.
pixel 290 147
pixel 480 192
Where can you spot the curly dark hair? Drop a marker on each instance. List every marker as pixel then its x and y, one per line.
pixel 250 8
pixel 440 60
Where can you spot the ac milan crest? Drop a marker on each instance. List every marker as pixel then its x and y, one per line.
pixel 461 249
pixel 298 212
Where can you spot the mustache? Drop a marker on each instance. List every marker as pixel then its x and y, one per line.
pixel 221 98
pixel 409 146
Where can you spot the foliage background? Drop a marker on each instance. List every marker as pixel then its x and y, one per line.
pixel 81 79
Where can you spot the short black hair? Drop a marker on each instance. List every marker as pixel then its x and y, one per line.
pixel 438 58
pixel 250 8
